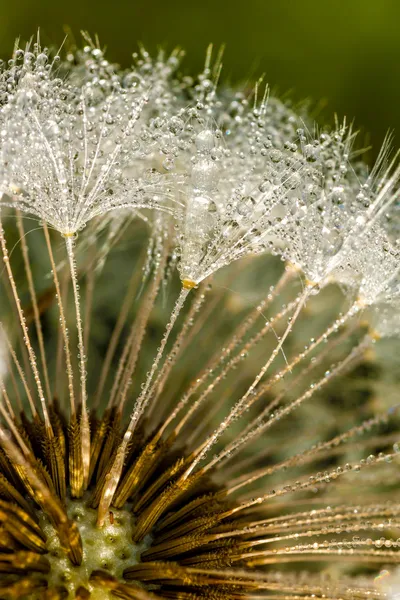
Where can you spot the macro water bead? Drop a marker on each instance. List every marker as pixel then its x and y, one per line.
pixel 196 284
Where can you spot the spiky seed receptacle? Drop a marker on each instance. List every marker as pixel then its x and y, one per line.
pixel 163 502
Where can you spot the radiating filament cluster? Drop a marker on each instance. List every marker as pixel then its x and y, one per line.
pixel 212 458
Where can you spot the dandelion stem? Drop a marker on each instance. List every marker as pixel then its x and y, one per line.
pixel 36 313
pixel 144 396
pixel 19 330
pixel 63 323
pixel 123 314
pixel 22 320
pixel 14 430
pixel 7 399
pixel 85 429
pixel 170 360
pixel 133 344
pixel 20 373
pixel 114 474
pixel 10 372
pixel 90 281
pixel 59 370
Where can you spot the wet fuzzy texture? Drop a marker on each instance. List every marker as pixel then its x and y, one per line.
pixel 225 442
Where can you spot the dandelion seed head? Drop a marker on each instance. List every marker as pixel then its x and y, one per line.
pixel 3 355
pixel 165 465
pixel 66 149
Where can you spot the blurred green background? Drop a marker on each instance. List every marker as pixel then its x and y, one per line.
pixel 346 53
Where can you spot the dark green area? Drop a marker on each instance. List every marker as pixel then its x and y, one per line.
pixel 344 52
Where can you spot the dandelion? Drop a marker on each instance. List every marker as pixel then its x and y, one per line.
pixel 185 481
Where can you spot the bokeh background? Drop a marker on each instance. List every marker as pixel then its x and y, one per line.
pixel 342 54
